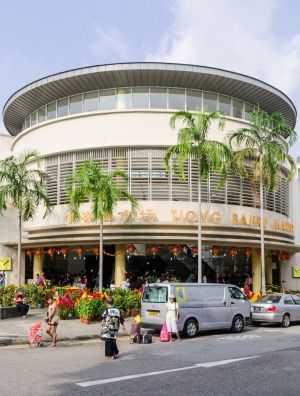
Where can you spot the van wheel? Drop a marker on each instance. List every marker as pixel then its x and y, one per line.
pixel 286 320
pixel 190 328
pixel 237 325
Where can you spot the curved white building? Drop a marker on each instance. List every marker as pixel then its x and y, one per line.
pixel 119 115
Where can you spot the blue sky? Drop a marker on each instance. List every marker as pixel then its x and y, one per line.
pixel 260 38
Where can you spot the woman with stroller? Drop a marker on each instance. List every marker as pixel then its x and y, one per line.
pixel 111 319
pixel 52 320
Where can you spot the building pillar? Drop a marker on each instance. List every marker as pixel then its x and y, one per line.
pixel 37 265
pixel 256 272
pixel 268 263
pixel 120 265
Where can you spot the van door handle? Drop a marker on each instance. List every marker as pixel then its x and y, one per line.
pixel 232 302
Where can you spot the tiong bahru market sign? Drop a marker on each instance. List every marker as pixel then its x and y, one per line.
pixel 180 216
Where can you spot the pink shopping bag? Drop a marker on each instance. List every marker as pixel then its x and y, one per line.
pixel 164 336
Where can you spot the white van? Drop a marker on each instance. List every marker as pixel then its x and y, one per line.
pixel 202 306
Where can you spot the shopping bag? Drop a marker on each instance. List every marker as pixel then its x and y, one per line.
pixel 164 336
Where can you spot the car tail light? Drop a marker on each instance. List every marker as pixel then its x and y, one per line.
pixel 271 309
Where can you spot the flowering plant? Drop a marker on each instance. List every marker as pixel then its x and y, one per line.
pixel 65 305
pixel 90 306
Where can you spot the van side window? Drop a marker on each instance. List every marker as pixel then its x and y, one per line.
pixel 213 294
pixel 155 294
pixel 236 293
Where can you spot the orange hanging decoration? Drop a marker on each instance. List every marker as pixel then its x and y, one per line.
pixel 280 255
pixel 285 257
pixel 29 253
pixel 39 252
pixel 248 252
pixel 215 251
pixel 195 250
pixel 175 250
pixel 233 252
pixel 154 249
pixel 131 249
pixel 96 250
pixel 51 252
pixel 79 250
pixel 64 251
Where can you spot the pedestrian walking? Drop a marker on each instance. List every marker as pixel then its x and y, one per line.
pixel 52 320
pixel 171 318
pixel 111 320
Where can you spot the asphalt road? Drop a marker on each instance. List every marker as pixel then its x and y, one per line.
pixel 259 361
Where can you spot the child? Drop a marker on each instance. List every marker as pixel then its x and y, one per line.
pixel 135 333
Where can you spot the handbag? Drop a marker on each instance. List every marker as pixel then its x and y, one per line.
pixel 164 336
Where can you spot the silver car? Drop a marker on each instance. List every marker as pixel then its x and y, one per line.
pixel 276 308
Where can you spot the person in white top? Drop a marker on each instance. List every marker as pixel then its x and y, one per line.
pixel 125 284
pixel 171 318
pixel 113 285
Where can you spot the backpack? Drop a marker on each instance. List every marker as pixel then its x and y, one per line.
pixel 110 327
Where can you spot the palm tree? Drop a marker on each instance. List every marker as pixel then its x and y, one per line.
pixel 211 155
pixel 23 188
pixel 90 182
pixel 263 143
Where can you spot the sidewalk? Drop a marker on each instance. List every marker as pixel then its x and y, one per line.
pixel 16 330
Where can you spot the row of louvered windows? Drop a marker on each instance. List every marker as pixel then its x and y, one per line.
pixel 150 181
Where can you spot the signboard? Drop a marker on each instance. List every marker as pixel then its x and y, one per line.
pixel 296 272
pixel 180 294
pixel 5 263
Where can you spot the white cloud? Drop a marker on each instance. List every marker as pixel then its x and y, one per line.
pixel 110 44
pixel 234 35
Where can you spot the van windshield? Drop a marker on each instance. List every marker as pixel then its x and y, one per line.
pixel 155 294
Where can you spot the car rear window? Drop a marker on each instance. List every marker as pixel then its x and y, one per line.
pixel 155 294
pixel 269 299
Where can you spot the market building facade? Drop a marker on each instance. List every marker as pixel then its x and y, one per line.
pixel 119 116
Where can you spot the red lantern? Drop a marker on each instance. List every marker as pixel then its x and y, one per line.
pixel 215 251
pixel 233 252
pixel 39 252
pixel 175 250
pixel 29 253
pixel 96 250
pixel 131 249
pixel 64 251
pixel 280 255
pixel 154 249
pixel 79 250
pixel 195 250
pixel 51 252
pixel 259 253
pixel 285 257
pixel 248 252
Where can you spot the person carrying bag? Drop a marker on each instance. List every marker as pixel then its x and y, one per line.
pixel 171 318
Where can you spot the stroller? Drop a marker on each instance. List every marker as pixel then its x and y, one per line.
pixel 35 334
pixel 135 333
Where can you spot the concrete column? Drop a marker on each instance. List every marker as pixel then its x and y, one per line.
pixel 268 263
pixel 256 272
pixel 120 265
pixel 37 265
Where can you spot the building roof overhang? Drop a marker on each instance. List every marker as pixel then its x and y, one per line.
pixel 57 86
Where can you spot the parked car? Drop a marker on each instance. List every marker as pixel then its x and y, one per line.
pixel 276 308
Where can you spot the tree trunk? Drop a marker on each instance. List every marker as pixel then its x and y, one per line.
pixel 19 248
pixel 101 258
pixel 199 229
pixel 262 231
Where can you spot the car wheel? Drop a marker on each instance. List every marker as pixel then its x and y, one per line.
pixel 190 328
pixel 255 323
pixel 237 325
pixel 286 320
